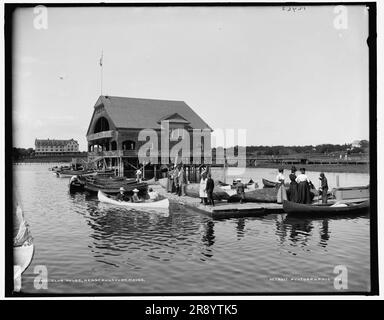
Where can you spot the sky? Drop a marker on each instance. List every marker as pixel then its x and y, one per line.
pixel 286 77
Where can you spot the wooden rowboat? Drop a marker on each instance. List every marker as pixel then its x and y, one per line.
pixel 268 183
pixel 271 184
pixel 76 186
pixel 324 209
pixel 161 204
pixel 23 248
pixel 257 195
pixel 192 190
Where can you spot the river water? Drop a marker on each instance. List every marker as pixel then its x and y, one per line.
pixel 92 248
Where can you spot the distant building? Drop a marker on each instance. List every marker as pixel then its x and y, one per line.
pixel 53 146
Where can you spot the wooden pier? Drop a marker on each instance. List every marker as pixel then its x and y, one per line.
pixel 222 209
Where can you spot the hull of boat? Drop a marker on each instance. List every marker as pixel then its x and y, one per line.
pixel 22 257
pixel 111 189
pixel 268 183
pixel 192 190
pixel 321 209
pixel 161 204
pixel 257 195
pixel 76 187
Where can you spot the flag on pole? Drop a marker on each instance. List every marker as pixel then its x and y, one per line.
pixel 101 59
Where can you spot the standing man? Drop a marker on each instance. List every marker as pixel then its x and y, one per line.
pixel 240 190
pixel 323 188
pixel 138 175
pixel 181 179
pixel 209 189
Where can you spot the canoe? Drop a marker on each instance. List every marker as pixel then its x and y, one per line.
pixel 23 248
pixel 71 173
pixel 93 187
pixel 271 184
pixel 268 183
pixel 192 190
pixel 76 187
pixel 161 204
pixel 337 208
pixel 257 195
pixel 84 173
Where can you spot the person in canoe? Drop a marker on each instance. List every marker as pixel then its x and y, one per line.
pixel 122 196
pixel 293 192
pixel 324 188
pixel 303 188
pixel 153 195
pixel 209 190
pixel 281 192
pixel 135 197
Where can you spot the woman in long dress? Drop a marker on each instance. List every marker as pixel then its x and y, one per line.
pixel 202 190
pixel 303 188
pixel 281 192
pixel 293 192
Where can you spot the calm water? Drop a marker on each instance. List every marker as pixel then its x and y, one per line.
pixel 89 247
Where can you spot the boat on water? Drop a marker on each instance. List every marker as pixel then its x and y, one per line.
pixel 160 204
pixel 324 209
pixel 23 247
pixel 268 183
pixel 113 184
pixel 261 195
pixel 271 184
pixel 192 190
pixel 76 186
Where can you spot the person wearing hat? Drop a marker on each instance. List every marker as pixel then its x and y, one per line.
pixel 135 197
pixel 324 188
pixel 293 193
pixel 153 195
pixel 122 196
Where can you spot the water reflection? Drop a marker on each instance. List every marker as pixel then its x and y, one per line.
pixel 240 226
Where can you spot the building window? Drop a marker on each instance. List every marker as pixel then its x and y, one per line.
pixel 129 145
pixel 101 125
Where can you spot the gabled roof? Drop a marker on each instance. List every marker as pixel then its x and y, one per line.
pixel 52 142
pixel 137 113
pixel 175 118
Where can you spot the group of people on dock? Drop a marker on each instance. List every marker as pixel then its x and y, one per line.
pixel 177 180
pixel 299 187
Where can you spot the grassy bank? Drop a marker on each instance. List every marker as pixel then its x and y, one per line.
pixel 342 168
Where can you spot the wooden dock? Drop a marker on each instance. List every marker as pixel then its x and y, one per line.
pixel 222 209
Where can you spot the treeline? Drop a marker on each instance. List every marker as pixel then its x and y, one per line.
pixel 325 149
pixel 21 153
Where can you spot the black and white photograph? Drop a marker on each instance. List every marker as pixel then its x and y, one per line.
pixel 191 149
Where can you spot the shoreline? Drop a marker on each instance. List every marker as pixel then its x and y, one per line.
pixel 340 168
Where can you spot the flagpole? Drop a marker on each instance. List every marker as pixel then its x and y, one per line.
pixel 101 73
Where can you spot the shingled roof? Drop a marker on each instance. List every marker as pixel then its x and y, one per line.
pixel 138 113
pixel 52 142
